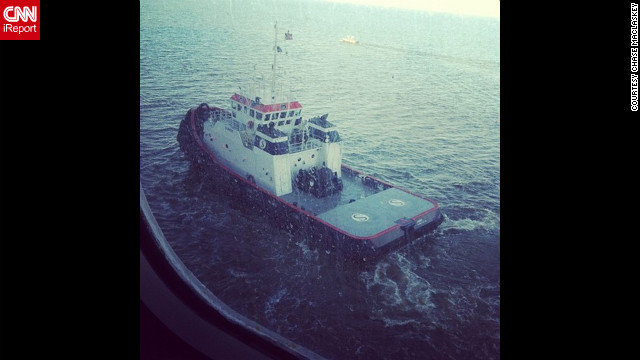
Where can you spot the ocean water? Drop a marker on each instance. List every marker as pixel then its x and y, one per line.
pixel 417 103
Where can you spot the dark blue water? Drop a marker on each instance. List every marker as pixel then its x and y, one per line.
pixel 417 103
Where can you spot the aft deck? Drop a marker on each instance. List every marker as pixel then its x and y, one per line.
pixel 376 213
pixel 363 209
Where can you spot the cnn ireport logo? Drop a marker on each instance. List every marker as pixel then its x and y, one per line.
pixel 20 20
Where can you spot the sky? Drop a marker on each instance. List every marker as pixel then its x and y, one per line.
pixel 488 8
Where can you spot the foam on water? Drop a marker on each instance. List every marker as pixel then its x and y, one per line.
pixel 397 286
pixel 484 219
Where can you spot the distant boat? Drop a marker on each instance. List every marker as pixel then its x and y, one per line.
pixel 288 35
pixel 350 39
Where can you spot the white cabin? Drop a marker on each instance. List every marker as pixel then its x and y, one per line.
pixel 270 143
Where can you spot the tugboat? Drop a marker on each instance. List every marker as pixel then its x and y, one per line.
pixel 290 168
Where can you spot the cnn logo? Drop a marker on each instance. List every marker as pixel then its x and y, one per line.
pixel 14 13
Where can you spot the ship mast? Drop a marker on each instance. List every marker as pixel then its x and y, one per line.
pixel 273 66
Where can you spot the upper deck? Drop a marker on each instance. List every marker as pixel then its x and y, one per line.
pixel 265 108
pixel 284 116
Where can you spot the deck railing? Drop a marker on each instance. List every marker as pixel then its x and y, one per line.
pixel 296 147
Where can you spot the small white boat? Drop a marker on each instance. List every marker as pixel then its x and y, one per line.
pixel 350 39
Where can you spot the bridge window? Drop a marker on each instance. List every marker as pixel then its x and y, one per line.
pixel 283 114
pixel 266 117
pixel 288 122
pixel 251 112
pixel 258 115
pixel 298 121
pixel 275 116
pixel 280 123
pixel 234 113
pixel 291 113
pixel 245 109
